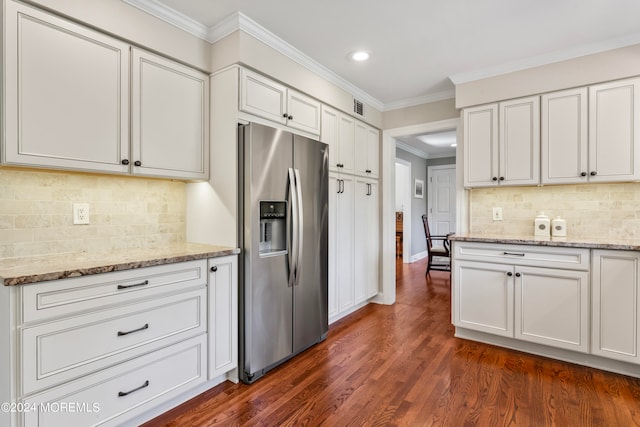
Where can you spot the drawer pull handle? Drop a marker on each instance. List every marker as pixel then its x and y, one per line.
pixel 146 326
pixel 135 285
pixel 514 253
pixel 125 393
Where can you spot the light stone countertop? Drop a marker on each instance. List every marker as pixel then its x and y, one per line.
pixel 20 271
pixel 570 242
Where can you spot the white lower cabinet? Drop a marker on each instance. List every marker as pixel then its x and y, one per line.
pixel 109 348
pixel 552 307
pixel 223 315
pixel 539 304
pixel 616 305
pixel 114 395
pixel 484 297
pixel 341 240
pixel 354 248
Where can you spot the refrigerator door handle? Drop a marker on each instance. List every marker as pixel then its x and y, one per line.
pixel 300 227
pixel 293 243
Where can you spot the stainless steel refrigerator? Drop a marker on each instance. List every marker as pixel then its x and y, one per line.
pixel 283 205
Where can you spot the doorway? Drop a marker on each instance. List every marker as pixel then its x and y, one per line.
pixel 388 174
pixel 403 204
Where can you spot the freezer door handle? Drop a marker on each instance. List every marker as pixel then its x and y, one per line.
pixel 300 227
pixel 293 244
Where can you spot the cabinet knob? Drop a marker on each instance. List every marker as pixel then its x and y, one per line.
pixel 495 178
pixel 509 274
pixel 285 115
pixel 125 162
pixel 593 173
pixel 583 174
pixel 137 163
pixel 214 268
pixel 290 117
pixel 368 171
pixel 502 178
pixel 518 274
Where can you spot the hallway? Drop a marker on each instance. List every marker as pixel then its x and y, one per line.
pixel 400 365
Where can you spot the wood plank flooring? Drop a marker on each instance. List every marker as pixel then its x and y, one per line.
pixel 401 366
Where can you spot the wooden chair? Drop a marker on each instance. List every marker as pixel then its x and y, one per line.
pixel 443 253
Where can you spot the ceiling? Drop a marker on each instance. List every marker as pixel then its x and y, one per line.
pixel 419 48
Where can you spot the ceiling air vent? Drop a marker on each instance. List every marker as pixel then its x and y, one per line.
pixel 358 107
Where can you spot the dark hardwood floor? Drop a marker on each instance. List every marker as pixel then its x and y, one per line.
pixel 400 365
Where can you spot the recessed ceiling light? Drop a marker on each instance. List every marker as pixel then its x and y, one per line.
pixel 359 55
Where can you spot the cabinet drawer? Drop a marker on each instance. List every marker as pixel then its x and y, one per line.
pixel 69 296
pixel 146 381
pixel 66 349
pixel 529 255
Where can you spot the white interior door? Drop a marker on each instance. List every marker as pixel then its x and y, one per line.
pixel 442 200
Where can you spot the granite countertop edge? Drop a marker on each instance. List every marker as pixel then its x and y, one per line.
pixel 569 242
pixel 26 270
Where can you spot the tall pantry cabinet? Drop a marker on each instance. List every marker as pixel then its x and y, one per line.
pixel 353 211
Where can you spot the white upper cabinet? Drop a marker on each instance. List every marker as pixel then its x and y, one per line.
pixel 614 145
pixel 265 98
pixel 66 94
pixel 519 142
pixel 481 146
pixel 502 143
pixel 170 111
pixel 338 130
pixel 367 149
pixel 564 143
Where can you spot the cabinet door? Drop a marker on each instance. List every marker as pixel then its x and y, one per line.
pixel 519 142
pixel 262 97
pixel 223 315
pixel 616 305
pixel 366 147
pixel 341 244
pixel 614 145
pixel 303 112
pixel 481 146
pixel 366 239
pixel 564 137
pixel 170 116
pixel 483 297
pixel 346 136
pixel 330 134
pixel 373 152
pixel 67 95
pixel 552 307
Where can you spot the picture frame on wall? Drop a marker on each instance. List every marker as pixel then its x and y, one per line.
pixel 418 192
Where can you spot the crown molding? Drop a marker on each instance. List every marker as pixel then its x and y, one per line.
pixel 550 58
pixel 171 16
pixel 409 149
pixel 240 21
pixel 425 99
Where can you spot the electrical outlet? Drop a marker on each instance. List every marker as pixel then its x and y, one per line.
pixel 80 213
pixel 497 214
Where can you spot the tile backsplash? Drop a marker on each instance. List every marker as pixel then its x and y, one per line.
pixel 591 210
pixel 36 212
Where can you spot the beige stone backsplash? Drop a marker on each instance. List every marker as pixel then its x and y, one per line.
pixel 591 210
pixel 126 212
